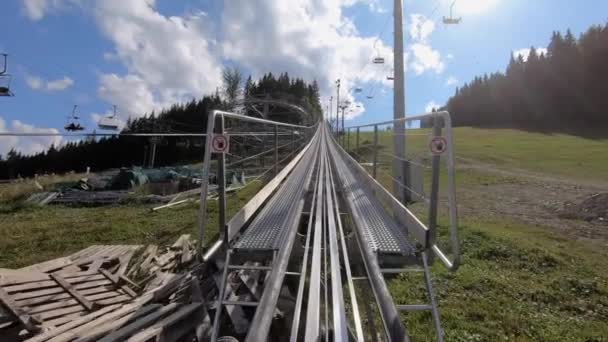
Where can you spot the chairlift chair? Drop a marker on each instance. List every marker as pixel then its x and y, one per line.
pixel 451 20
pixel 379 60
pixel 369 97
pixel 5 80
pixel 5 85
pixel 358 90
pixel 109 122
pixel 73 125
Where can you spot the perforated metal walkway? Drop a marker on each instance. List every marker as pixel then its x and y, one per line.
pixel 380 232
pixel 268 229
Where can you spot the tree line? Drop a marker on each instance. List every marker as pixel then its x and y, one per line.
pixel 191 117
pixel 562 90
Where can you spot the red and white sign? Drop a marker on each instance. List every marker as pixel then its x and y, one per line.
pixel 438 145
pixel 220 143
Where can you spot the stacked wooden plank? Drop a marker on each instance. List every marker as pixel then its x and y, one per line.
pixel 52 293
pixel 147 318
pixel 176 257
pixel 87 296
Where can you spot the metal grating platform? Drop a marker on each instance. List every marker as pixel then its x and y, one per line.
pixel 267 230
pixel 380 231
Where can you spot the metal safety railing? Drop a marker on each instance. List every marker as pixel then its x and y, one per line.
pixel 420 166
pixel 281 142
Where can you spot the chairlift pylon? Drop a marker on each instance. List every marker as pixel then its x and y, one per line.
pixel 109 122
pixel 73 125
pixel 451 20
pixel 5 79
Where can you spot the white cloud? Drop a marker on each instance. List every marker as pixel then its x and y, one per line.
pixel 168 59
pixel 34 82
pixel 425 58
pixel 451 81
pixel 473 6
pixel 26 145
pixel 526 52
pixel 430 106
pixel 61 84
pixel 420 27
pixel 38 83
pixel 310 39
pixel 421 54
pixel 449 56
pixel 38 9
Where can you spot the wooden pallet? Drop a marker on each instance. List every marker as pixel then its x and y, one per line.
pixel 141 320
pixel 50 294
pixel 87 297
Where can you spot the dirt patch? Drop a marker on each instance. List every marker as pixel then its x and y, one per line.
pixel 566 206
pixel 594 208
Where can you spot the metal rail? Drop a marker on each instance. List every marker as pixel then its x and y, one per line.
pixel 321 284
pixel 313 314
pixel 337 296
pixel 349 278
pixel 295 325
pixel 394 328
pixel 211 125
pixel 260 325
pixel 454 241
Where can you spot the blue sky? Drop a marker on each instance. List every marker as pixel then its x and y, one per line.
pixel 145 54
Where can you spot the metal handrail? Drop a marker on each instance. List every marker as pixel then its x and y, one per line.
pixel 409 118
pixel 454 263
pixel 212 116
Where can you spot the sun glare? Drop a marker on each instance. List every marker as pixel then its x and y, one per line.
pixel 463 7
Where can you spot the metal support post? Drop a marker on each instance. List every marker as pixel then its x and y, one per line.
pixel 263 156
pixel 202 214
pixel 221 182
pixel 338 109
pixel 375 160
pixel 343 133
pixel 331 106
pixel 152 152
pixel 276 150
pixel 348 139
pixel 399 103
pixel 434 187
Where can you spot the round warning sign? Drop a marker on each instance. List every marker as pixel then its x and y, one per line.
pixel 438 145
pixel 219 144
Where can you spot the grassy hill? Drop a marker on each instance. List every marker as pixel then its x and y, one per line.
pixel 526 275
pixel 556 155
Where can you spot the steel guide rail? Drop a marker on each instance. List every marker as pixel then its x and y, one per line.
pixel 394 328
pixel 262 320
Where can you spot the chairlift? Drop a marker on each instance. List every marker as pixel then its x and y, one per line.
pixel 358 90
pixel 451 20
pixel 73 125
pixel 5 80
pixel 379 60
pixel 109 122
pixel 369 97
